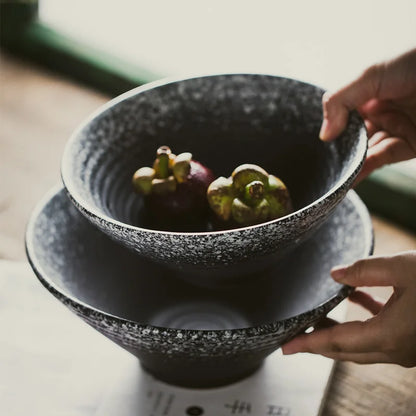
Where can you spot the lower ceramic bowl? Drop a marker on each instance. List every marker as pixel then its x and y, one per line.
pixel 183 334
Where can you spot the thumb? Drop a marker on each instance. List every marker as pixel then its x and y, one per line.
pixel 373 271
pixel 336 106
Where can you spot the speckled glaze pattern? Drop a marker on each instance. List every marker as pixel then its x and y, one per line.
pixel 121 295
pixel 224 120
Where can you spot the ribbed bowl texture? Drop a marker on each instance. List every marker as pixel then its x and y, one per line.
pixel 184 334
pixel 224 121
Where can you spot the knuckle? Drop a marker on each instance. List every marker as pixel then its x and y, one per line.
pixel 394 343
pixel 358 270
pixel 334 344
pixel 328 101
pixel 373 73
pixel 372 78
pixel 389 346
pixel 327 98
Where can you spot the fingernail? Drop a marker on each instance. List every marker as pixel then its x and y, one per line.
pixel 339 272
pixel 323 135
pixel 291 347
pixel 287 349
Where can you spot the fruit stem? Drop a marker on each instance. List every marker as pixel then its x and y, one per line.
pixel 161 165
pixel 253 192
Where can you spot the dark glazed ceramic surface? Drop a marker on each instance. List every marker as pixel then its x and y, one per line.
pixel 224 121
pixel 181 333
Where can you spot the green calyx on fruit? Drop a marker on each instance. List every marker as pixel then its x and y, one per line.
pixel 167 172
pixel 249 196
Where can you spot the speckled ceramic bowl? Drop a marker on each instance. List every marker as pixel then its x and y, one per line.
pixel 224 121
pixel 184 334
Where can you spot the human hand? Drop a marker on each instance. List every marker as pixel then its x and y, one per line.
pixel 390 335
pixel 385 96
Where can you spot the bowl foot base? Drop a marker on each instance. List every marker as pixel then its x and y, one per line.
pixel 202 378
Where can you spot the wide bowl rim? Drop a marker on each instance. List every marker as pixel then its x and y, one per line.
pixel 92 211
pixel 269 327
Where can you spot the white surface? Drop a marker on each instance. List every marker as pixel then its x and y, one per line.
pixel 54 364
pixel 51 362
pixel 284 386
pixel 325 42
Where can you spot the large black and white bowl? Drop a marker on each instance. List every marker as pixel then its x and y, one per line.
pixel 224 121
pixel 182 333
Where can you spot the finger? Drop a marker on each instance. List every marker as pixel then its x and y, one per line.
pixel 372 271
pixel 370 165
pixel 325 323
pixel 388 150
pixel 371 127
pixel 377 137
pixel 397 124
pixel 360 358
pixel 349 337
pixel 366 301
pixel 337 106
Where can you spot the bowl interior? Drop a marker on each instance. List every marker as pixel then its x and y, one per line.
pixel 83 264
pixel 224 121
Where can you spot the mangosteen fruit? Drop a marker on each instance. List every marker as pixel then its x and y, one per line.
pixel 174 191
pixel 249 196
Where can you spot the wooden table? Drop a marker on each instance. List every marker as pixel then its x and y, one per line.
pixel 38 112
